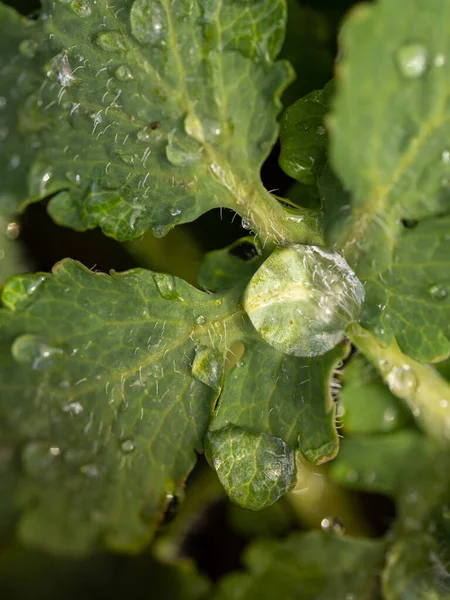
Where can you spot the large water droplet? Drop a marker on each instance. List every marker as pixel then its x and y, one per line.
pixel 333 525
pixel 302 299
pixel 19 292
pixel 110 41
pixel 34 350
pixel 208 366
pixel 438 291
pixel 123 73
pixel 166 286
pixel 255 469
pixel 81 7
pixel 28 48
pixel 149 22
pixel 412 60
pixel 127 446
pixel 402 381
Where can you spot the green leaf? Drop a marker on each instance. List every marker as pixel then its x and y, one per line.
pixel 377 463
pixel 100 394
pixel 222 269
pixel 143 115
pixel 287 398
pixel 389 146
pixel 366 403
pixel 303 136
pixel 307 566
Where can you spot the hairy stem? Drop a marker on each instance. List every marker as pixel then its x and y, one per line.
pixel 425 391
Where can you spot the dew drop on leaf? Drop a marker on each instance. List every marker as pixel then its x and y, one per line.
pixel 124 73
pixel 438 292
pixel 81 7
pixel 127 446
pixel 126 157
pixel 255 469
pixel 39 179
pixel 34 351
pixel 110 41
pixel 412 60
pixel 166 286
pixel 90 470
pixel 402 381
pixel 73 177
pixel 73 408
pixel 178 155
pixel 175 212
pixel 446 157
pixel 13 231
pixel 333 525
pixel 60 70
pixel 38 457
pixel 28 48
pixel 208 366
pixel 144 135
pixel 19 292
pixel 148 21
pixel 201 320
pixel 302 299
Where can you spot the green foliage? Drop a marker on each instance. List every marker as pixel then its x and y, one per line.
pixel 328 308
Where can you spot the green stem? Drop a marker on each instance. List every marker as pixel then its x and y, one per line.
pixel 425 391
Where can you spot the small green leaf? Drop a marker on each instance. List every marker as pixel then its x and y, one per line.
pixel 377 463
pixel 307 566
pixel 303 136
pixel 284 396
pixel 142 115
pixel 222 269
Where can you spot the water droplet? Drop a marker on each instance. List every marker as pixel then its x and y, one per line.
pixel 126 157
pixel 28 48
pixel 90 470
pixel 208 366
pixel 439 60
pixel 178 155
pixel 73 408
pixel 39 180
pixel 110 41
pixel 175 212
pixel 438 292
pixel 60 70
pixel 35 351
pixel 201 320
pixel 3 102
pixel 446 157
pixel 144 135
pixel 302 299
pixel 194 128
pixel 246 224
pixel 124 73
pixel 19 292
pixel 4 131
pixel 73 177
pixel 127 446
pixel 402 381
pixel 37 459
pixel 81 8
pixel 13 231
pixel 390 414
pixel 148 21
pixel 255 469
pixel 333 525
pixel 412 60
pixel 352 476
pixel 166 286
